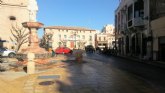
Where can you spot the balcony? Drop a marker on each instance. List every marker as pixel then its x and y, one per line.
pixel 130 24
pixel 138 22
pixel 135 22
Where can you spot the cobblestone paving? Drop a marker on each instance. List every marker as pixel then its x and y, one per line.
pixel 88 77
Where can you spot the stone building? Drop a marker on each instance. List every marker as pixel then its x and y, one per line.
pixel 106 37
pixel 12 13
pixel 101 40
pixel 72 37
pixel 139 28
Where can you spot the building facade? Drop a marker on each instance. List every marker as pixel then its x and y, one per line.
pixel 72 37
pixel 106 37
pixel 101 40
pixel 157 19
pixel 12 13
pixel 137 30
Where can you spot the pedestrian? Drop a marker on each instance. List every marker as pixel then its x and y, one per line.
pixel 53 53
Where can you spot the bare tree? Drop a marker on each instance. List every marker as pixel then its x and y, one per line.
pixel 81 44
pixel 63 42
pixel 20 36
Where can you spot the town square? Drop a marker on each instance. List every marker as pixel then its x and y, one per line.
pixel 82 46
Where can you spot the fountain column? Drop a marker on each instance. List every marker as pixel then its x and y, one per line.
pixel 31 63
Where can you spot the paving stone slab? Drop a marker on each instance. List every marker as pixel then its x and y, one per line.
pixel 49 77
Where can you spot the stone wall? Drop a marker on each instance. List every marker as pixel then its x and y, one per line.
pixel 8 9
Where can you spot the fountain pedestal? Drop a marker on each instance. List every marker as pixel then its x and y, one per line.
pixel 33 42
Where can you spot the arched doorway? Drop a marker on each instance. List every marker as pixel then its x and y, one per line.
pixel 138 44
pixel 127 45
pixel 133 48
pixel 162 48
pixel 144 45
pixel 119 45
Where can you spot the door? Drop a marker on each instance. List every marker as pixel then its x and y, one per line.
pixel 162 48
pixel 71 44
pixel 162 52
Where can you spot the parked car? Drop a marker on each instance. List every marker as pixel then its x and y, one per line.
pixel 63 50
pixel 89 48
pixel 7 52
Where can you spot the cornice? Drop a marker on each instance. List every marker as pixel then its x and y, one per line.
pixel 3 3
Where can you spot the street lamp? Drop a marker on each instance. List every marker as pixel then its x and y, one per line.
pixel 74 33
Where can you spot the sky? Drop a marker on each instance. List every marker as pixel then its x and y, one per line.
pixel 92 14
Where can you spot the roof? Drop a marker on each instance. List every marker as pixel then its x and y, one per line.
pixel 69 28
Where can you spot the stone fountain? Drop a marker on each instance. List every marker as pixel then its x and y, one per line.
pixel 33 56
pixel 33 46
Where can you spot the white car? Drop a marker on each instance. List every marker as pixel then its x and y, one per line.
pixel 7 52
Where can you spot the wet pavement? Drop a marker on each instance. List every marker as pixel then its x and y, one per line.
pixel 150 73
pixel 97 74
pixel 95 77
pixel 91 76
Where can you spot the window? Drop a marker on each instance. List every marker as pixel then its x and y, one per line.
pixel 160 8
pixel 59 36
pixel 64 44
pixel 83 37
pixel 130 12
pixel 90 38
pixel 78 43
pixel 78 36
pixel 12 18
pixel 59 43
pixel 139 8
pixel 65 36
pixel 99 38
pixel 104 38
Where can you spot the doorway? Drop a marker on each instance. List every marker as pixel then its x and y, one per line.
pixel 162 48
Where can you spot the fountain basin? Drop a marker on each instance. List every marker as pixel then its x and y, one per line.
pixel 32 25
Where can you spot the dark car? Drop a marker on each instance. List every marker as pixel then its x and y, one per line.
pixel 63 50
pixel 89 48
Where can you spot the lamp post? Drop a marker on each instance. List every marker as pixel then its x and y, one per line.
pixel 75 33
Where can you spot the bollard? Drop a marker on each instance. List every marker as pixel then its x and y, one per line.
pixel 31 63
